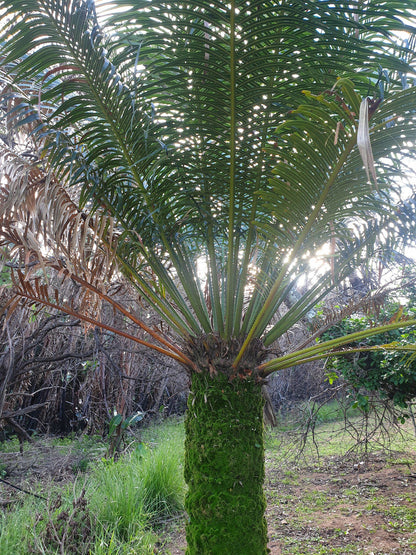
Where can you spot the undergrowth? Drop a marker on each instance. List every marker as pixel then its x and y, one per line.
pixel 115 508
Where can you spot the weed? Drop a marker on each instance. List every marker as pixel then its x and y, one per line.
pixel 145 486
pixel 116 500
pixel 162 482
pixel 401 461
pixel 16 528
pixel 108 544
pixel 350 493
pixel 334 411
pixel 373 504
pixel 65 526
pixel 115 511
pixel 317 499
pixel 402 518
pixel 3 470
pixel 10 446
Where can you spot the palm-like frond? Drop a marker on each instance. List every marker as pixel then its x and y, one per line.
pixel 168 122
pixel 45 233
pixel 320 186
pixel 38 216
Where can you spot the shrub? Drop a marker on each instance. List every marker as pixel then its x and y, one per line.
pixel 390 373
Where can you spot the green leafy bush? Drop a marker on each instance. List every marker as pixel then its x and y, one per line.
pixel 390 373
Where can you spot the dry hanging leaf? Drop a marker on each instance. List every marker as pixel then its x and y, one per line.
pixel 364 144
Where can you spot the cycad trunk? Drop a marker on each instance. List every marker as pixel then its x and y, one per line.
pixel 224 458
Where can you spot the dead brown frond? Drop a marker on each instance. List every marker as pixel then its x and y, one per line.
pixel 33 291
pixel 45 234
pixel 39 221
pixel 58 377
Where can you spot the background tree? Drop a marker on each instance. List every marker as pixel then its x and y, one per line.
pixel 216 149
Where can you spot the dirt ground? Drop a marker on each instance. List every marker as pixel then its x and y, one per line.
pixel 340 506
pixel 345 506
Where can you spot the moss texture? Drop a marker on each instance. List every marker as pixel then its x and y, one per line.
pixel 224 466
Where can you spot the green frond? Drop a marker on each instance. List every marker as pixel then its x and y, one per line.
pixel 320 185
pixel 330 348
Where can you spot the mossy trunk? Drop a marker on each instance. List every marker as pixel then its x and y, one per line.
pixel 224 465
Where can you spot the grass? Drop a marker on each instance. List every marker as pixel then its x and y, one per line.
pixel 403 518
pixel 332 411
pixel 10 445
pixel 14 536
pixel 340 497
pixel 330 437
pixel 114 507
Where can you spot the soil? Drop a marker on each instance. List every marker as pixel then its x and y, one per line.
pixel 340 506
pixel 345 506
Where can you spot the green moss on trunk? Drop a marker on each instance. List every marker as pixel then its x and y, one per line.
pixel 224 467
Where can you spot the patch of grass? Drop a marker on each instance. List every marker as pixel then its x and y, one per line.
pixel 172 431
pixel 87 447
pixel 373 504
pixel 334 411
pixel 402 518
pixel 350 492
pixel 3 470
pixel 408 543
pixel 312 546
pixel 140 488
pixel 161 476
pixel 115 513
pixel 334 437
pixel 347 508
pixel 10 446
pixel 315 500
pixel 405 461
pixel 290 478
pixel 59 524
pixel 16 528
pixel 143 543
pixel 80 465
pixel 116 500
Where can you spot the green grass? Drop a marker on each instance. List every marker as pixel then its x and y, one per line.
pixel 114 509
pixel 10 446
pixel 300 547
pixel 309 495
pixel 116 499
pixel 332 438
pixel 133 495
pixel 402 518
pixel 107 544
pixel 334 411
pixel 16 528
pixel 329 434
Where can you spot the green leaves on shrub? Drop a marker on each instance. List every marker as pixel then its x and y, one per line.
pixel 388 372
